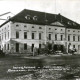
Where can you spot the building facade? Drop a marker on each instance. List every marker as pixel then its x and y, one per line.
pixel 29 30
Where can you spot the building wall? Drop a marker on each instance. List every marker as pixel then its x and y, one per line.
pixel 11 27
pixel 56 30
pixel 27 29
pixel 30 28
pixel 36 29
pixel 5 35
pixel 76 33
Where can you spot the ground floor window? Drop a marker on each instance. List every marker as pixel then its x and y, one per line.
pixel 5 46
pixel 17 47
pixel 8 47
pixel 73 46
pixel 39 46
pixel 25 46
pixel 32 47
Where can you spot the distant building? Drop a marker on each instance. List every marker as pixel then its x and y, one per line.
pixel 31 29
pixel 5 16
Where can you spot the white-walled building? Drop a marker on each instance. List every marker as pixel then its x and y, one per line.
pixel 31 29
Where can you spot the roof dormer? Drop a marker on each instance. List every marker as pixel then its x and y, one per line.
pixel 27 17
pixel 74 24
pixel 69 23
pixel 35 18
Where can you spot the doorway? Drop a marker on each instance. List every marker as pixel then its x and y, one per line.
pixel 58 48
pixel 17 47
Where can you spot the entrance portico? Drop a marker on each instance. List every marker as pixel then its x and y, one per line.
pixel 59 46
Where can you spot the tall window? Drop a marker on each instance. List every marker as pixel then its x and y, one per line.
pixel 17 47
pixel 8 35
pixel 17 34
pixel 73 46
pixel 73 38
pixel 39 36
pixel 32 35
pixel 25 35
pixel 5 35
pixel 55 36
pixel 25 46
pixel 32 47
pixel 49 36
pixel 78 38
pixel 68 37
pixel 61 37
pixel 8 47
pixel 39 46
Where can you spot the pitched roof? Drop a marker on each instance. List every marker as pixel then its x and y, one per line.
pixel 43 19
pixel 67 22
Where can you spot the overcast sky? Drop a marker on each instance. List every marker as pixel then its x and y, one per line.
pixel 68 8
